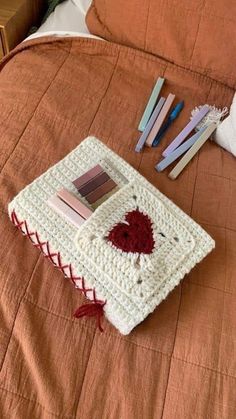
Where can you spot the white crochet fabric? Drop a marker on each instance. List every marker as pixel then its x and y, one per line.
pixel 132 284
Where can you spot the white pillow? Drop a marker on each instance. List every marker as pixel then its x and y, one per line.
pixel 83 5
pixel 68 16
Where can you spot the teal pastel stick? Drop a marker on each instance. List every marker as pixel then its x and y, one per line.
pixel 151 103
pixel 178 151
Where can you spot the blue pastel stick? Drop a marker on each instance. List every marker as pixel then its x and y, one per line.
pixel 178 151
pixel 151 103
pixel 149 125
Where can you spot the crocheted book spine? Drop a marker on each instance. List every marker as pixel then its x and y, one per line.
pixel 96 307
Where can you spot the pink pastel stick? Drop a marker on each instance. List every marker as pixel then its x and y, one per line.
pixel 65 211
pixel 88 176
pixel 160 119
pixel 186 131
pixel 74 203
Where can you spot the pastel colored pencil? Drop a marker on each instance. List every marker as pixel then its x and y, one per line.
pixel 192 151
pixel 187 130
pixel 149 125
pixel 90 174
pixel 178 151
pixel 65 211
pixel 151 104
pixel 160 119
pixel 74 203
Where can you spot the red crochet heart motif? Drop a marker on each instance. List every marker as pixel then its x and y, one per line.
pixel 135 235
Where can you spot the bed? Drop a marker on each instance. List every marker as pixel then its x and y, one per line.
pixel 55 90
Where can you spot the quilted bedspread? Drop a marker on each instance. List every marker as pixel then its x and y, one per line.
pixel 180 362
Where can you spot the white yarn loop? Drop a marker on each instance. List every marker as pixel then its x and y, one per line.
pixel 225 134
pixel 214 115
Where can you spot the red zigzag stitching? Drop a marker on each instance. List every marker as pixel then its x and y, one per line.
pixel 55 258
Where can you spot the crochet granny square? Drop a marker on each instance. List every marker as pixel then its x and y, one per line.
pixel 132 251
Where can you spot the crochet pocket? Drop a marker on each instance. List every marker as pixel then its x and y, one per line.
pixel 134 243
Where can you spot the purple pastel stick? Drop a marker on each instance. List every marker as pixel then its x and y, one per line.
pixel 178 151
pixel 186 131
pixel 149 125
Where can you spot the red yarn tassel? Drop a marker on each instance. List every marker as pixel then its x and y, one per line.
pixel 90 310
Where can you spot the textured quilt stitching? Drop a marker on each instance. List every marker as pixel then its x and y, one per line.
pixel 205 367
pixel 85 372
pixel 212 288
pixel 35 402
pixel 218 226
pixel 171 356
pixel 88 326
pixel 121 338
pixel 17 311
pixel 33 114
pixel 199 23
pixel 180 299
pixel 57 315
pixel 105 93
pixel 129 341
pixel 209 73
pixel 98 17
pixel 127 50
pixel 147 20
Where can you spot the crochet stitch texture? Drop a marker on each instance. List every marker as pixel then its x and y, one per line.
pixel 132 251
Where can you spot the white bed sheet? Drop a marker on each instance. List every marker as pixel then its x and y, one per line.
pixel 68 19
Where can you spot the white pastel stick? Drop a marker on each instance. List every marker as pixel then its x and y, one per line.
pixel 178 151
pixel 192 151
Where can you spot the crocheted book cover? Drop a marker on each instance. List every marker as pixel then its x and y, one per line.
pixel 129 254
